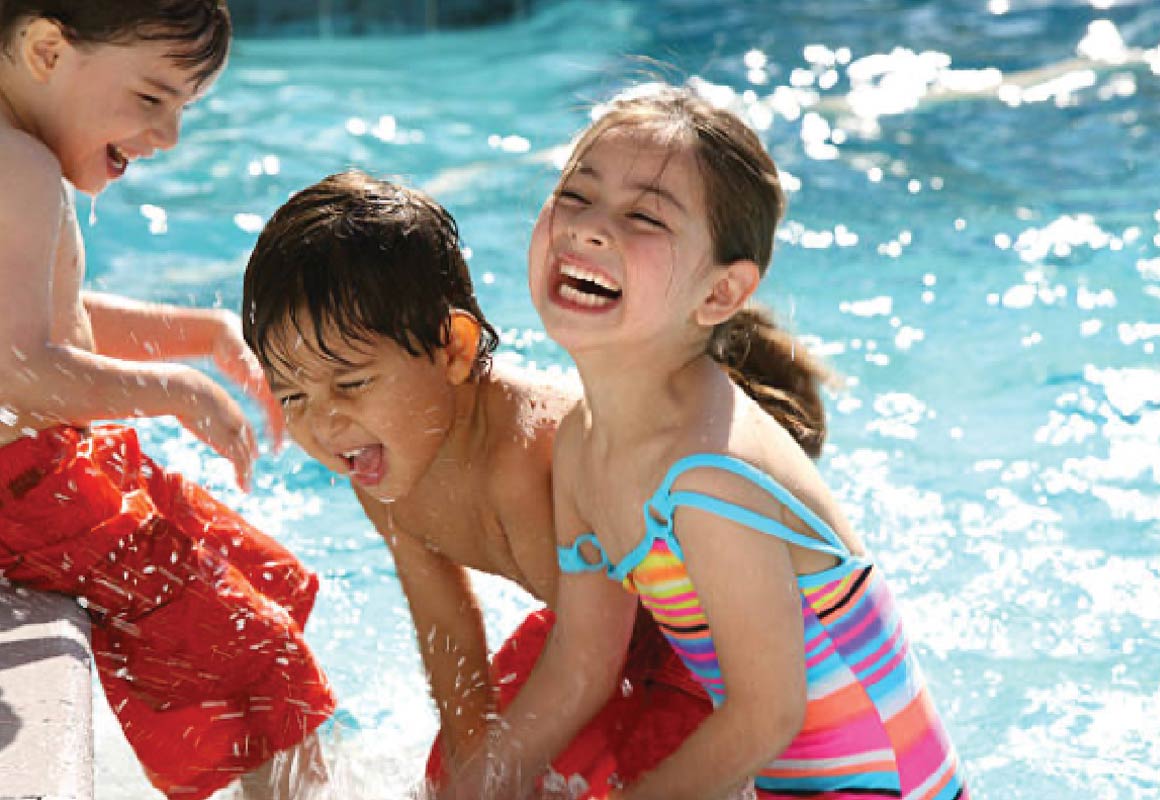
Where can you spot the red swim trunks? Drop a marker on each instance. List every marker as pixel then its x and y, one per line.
pixel 659 704
pixel 197 617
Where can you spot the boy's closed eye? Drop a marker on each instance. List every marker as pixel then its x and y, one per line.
pixel 291 401
pixel 350 386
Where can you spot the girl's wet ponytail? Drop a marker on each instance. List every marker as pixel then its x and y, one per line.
pixel 773 368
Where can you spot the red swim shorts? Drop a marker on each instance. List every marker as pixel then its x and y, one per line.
pixel 196 616
pixel 659 704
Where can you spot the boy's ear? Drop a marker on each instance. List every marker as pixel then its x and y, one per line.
pixel 463 332
pixel 42 45
pixel 731 286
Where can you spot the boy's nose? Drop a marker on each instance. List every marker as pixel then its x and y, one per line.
pixel 167 131
pixel 327 425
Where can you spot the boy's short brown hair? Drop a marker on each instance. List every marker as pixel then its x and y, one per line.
pixel 360 257
pixel 198 30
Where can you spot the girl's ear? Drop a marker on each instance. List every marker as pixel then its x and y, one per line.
pixel 42 44
pixel 462 348
pixel 732 285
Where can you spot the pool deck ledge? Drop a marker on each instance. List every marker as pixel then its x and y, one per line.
pixel 46 711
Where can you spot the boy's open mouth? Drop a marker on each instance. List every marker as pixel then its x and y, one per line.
pixel 118 161
pixel 586 288
pixel 367 464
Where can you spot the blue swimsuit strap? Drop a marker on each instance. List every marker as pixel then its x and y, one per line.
pixel 665 501
pixel 572 561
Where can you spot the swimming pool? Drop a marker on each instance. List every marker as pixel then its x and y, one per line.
pixel 983 265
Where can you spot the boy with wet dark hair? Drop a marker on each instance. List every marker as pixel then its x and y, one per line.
pixel 361 309
pixel 196 616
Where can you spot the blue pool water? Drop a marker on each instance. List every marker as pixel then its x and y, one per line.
pixel 982 264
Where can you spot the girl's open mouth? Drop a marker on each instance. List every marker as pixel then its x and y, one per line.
pixel 583 288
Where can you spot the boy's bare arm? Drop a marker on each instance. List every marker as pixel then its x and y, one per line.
pixel 137 331
pixel 61 381
pixel 450 632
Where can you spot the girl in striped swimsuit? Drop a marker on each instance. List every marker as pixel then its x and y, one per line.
pixel 685 476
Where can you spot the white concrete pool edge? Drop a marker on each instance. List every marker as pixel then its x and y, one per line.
pixel 46 703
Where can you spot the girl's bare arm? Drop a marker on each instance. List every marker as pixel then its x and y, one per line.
pixel 573 678
pixel 748 588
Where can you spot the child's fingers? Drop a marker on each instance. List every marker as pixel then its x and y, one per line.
pixel 253 381
pixel 242 455
pixel 275 422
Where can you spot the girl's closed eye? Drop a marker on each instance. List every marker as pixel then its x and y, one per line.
pixel 571 196
pixel 149 99
pixel 648 219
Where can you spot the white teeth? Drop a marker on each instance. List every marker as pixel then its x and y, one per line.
pixel 571 293
pixel 119 158
pixel 582 274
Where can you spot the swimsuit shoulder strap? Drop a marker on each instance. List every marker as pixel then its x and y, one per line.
pixel 665 501
pixel 573 561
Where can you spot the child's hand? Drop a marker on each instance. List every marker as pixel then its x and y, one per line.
pixel 211 415
pixel 239 364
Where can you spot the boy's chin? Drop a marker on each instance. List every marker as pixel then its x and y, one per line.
pixel 375 493
pixel 89 187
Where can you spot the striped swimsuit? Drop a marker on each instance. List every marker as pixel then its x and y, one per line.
pixel 870 728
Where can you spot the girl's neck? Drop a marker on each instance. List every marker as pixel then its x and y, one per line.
pixel 632 402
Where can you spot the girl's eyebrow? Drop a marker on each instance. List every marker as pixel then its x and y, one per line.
pixel 661 192
pixel 643 187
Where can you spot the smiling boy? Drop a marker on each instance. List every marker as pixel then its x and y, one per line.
pixel 197 617
pixel 360 306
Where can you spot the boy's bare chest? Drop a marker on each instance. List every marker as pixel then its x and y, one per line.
pixel 459 519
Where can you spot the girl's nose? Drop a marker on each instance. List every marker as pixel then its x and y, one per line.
pixel 587 227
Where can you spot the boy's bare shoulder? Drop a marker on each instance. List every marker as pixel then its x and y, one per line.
pixel 33 207
pixel 530 404
pixel 525 410
pixel 25 158
pixel 32 185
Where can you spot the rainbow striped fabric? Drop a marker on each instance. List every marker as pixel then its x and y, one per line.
pixel 871 730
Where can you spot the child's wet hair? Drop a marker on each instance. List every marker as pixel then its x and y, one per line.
pixel 357 258
pixel 198 31
pixel 744 203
